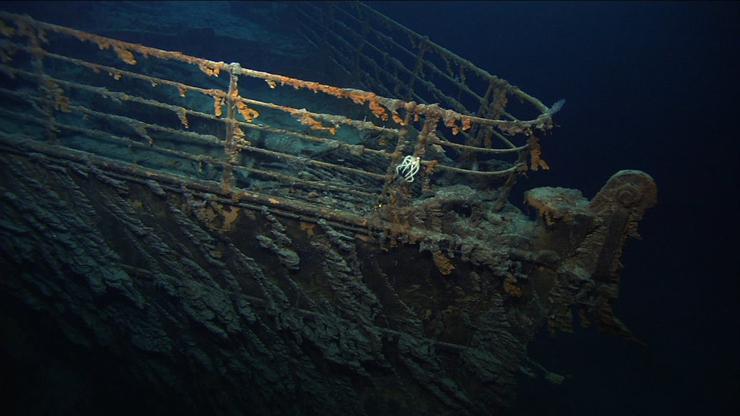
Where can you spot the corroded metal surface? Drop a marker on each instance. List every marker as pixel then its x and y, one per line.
pixel 295 317
pixel 158 256
pixel 356 136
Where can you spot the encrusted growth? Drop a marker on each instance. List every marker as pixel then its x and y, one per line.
pixel 351 252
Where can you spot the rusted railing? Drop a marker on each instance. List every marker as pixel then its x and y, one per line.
pixel 165 113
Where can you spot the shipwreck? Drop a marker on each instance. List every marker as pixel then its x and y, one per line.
pixel 213 239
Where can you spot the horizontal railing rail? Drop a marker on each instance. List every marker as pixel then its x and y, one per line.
pixel 344 147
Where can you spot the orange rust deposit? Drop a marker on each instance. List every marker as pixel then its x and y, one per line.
pixel 249 114
pixel 218 105
pixel 356 96
pixel 511 288
pixel 535 151
pixel 309 121
pixel 125 55
pixel 431 167
pixel 377 109
pixel 211 71
pixel 309 228
pixel 240 139
pixel 467 124
pixel 444 264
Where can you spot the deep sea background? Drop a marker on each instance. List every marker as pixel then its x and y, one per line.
pixel 650 86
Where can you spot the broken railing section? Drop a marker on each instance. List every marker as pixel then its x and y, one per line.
pixel 410 128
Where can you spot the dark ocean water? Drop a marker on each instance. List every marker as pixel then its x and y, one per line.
pixel 650 86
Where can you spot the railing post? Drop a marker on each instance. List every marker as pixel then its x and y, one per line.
pixel 230 148
pixel 394 195
pixel 403 138
pixel 430 126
